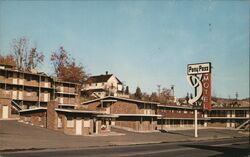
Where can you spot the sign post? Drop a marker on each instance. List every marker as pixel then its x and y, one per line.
pixel 199 77
pixel 195 123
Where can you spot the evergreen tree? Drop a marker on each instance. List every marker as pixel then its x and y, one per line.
pixel 138 93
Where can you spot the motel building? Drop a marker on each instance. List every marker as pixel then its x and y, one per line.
pixel 175 117
pixel 95 117
pixel 38 99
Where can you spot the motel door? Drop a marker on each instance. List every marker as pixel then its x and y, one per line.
pixel 5 112
pixel 78 127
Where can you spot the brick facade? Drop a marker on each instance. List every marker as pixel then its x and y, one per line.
pixel 52 115
pixel 38 118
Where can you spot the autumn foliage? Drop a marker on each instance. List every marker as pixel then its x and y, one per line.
pixel 8 60
pixel 65 67
pixel 27 58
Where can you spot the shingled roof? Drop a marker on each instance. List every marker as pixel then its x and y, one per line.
pixel 101 78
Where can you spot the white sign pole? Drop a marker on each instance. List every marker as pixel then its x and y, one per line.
pixel 193 70
pixel 195 124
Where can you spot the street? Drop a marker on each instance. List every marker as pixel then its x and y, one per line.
pixel 236 147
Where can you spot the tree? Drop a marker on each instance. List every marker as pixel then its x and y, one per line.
pixel 154 97
pixel 26 59
pixel 145 96
pixel 165 96
pixel 59 59
pixel 19 50
pixel 33 59
pixel 65 68
pixel 127 90
pixel 138 93
pixel 8 60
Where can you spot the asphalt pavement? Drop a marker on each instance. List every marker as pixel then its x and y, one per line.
pixel 16 137
pixel 237 147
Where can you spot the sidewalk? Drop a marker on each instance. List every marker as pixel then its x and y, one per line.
pixel 19 136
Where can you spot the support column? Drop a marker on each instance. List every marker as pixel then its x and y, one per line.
pixel 195 123
pixel 228 121
pixel 96 127
pixel 233 121
pixel 247 114
pixel 205 121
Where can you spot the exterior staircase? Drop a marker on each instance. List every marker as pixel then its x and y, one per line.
pixel 16 106
pixel 244 126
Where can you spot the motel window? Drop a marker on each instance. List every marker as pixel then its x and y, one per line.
pixel 70 122
pixel 59 122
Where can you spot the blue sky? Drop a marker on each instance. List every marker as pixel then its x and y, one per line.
pixel 144 43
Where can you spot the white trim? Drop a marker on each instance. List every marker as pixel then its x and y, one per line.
pixel 228 117
pixel 140 115
pixel 108 116
pixel 67 93
pixel 78 111
pixel 165 118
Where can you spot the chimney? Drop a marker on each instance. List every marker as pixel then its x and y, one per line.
pixel 107 72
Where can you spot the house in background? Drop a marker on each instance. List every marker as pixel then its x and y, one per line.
pixel 100 86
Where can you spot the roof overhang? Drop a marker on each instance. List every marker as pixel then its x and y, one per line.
pixel 107 116
pixel 138 115
pixel 178 107
pixel 120 98
pixel 79 111
pixel 33 109
pixel 228 117
pixel 69 105
pixel 183 118
pixel 108 100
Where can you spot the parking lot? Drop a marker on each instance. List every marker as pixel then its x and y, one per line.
pixel 18 136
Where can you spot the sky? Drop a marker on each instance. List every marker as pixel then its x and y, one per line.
pixel 144 43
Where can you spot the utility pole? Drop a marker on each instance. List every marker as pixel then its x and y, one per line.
pixel 236 95
pixel 159 89
pixel 172 88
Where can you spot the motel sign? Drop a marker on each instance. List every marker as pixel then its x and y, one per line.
pixel 199 76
